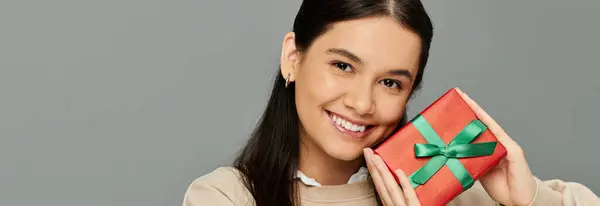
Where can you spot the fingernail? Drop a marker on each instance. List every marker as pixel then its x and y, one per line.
pixel 366 154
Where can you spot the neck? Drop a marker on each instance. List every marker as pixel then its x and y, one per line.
pixel 326 170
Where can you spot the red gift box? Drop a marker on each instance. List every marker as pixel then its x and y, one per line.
pixel 448 119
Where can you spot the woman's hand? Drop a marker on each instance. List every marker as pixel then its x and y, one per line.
pixel 390 193
pixel 511 182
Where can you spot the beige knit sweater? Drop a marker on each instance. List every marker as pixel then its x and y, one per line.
pixel 223 187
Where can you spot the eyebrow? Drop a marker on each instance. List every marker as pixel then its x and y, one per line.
pixel 401 72
pixel 353 57
pixel 346 54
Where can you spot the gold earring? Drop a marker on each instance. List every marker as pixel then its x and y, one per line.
pixel 287 80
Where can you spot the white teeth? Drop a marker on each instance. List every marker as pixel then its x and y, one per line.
pixel 338 121
pixel 347 125
pixel 362 128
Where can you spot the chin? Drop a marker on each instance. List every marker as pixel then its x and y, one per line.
pixel 345 152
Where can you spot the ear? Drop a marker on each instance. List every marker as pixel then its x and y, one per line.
pixel 289 56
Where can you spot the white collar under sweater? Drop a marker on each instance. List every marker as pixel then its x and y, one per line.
pixel 362 174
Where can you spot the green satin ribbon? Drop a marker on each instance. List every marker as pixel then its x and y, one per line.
pixel 442 154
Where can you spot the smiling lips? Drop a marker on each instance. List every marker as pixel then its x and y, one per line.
pixel 348 125
pixel 349 128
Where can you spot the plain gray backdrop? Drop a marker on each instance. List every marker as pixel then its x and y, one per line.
pixel 125 102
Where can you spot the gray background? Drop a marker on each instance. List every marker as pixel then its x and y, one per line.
pixel 125 102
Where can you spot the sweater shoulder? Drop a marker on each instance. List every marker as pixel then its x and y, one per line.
pixel 227 176
pixel 222 186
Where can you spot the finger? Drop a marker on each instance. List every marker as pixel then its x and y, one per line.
pixel 394 191
pixel 379 185
pixel 517 167
pixel 481 114
pixel 515 153
pixel 489 121
pixel 409 192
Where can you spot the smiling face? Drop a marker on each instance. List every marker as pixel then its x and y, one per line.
pixel 352 84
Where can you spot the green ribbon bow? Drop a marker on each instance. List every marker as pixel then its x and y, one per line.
pixel 442 154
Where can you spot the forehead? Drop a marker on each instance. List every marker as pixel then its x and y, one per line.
pixel 378 41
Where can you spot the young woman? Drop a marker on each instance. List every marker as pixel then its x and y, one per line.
pixel 347 71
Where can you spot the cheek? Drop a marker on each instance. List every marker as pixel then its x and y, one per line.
pixel 317 84
pixel 388 122
pixel 390 111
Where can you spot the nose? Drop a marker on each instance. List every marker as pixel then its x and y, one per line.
pixel 360 99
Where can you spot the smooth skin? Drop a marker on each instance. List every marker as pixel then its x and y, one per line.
pixel 509 183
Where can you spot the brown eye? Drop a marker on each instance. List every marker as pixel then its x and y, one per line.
pixel 390 83
pixel 343 66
